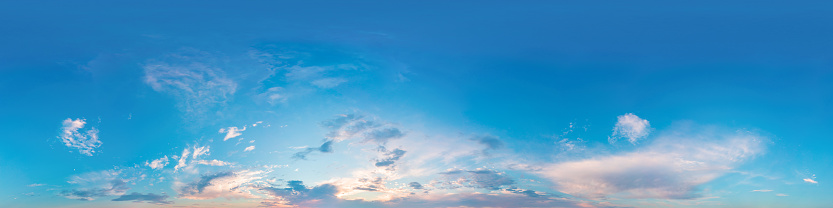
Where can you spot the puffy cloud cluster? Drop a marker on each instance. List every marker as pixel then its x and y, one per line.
pixel 84 142
pixel 158 163
pixel 630 127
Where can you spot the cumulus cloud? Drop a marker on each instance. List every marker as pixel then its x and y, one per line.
pixel 191 78
pixel 631 127
pixel 229 184
pixel 149 198
pixel 671 168
pixel 158 163
pixel 85 141
pixel 249 148
pixel 232 132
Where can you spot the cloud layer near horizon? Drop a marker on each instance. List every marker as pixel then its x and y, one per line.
pixel 672 167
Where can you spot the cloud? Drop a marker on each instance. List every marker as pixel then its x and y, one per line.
pixel 390 157
pixel 764 190
pixel 478 178
pixel 85 142
pixel 212 162
pixel 273 95
pixel 36 185
pixel 191 78
pixel 297 193
pixel 227 184
pixel 347 126
pixel 491 142
pixel 232 132
pixel 382 136
pixel 781 195
pixel 631 127
pixel 810 180
pixel 671 168
pixel 328 82
pixel 329 195
pixel 327 147
pixel 250 148
pixel 194 153
pixel 96 184
pixel 182 159
pixel 200 151
pixel 415 185
pixel 158 163
pixel 149 198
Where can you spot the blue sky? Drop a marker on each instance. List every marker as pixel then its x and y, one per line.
pixel 415 104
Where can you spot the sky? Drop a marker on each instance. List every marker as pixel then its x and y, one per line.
pixel 416 104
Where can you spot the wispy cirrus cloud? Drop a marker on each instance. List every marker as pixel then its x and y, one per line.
pixel 83 141
pixel 191 77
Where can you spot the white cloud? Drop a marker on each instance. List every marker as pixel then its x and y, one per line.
pixel 85 142
pixel 810 180
pixel 764 190
pixel 192 79
pixel 250 148
pixel 631 127
pixel 232 132
pixel 212 162
pixel 199 151
pixel 671 168
pixel 781 195
pixel 158 163
pixel 182 159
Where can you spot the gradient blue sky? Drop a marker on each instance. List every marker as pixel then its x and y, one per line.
pixel 416 104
